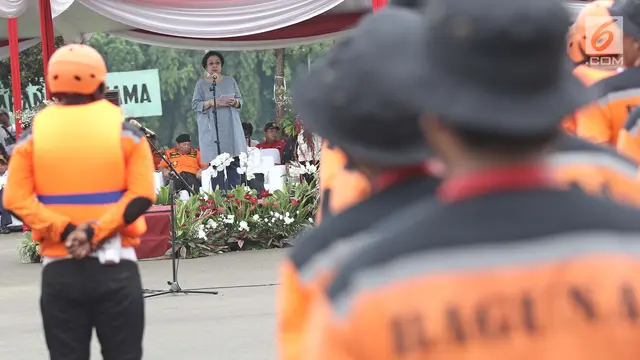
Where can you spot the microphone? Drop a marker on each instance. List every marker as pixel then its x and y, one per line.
pixel 212 76
pixel 147 132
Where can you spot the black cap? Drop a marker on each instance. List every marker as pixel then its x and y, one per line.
pixel 357 96
pixel 270 126
pixel 183 138
pixel 499 66
pixel 629 10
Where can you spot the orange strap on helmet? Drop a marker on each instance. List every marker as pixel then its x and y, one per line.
pixel 76 69
pixel 577 42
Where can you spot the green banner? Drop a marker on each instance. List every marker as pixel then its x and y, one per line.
pixel 139 93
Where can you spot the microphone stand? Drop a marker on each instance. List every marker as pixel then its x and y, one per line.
pixel 174 286
pixel 212 88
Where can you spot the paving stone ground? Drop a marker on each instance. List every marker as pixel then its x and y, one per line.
pixel 237 324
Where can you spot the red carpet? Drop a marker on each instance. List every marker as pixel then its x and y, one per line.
pixel 157 240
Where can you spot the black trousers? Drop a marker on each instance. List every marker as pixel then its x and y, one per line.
pixel 191 179
pixel 233 178
pixel 5 217
pixel 79 295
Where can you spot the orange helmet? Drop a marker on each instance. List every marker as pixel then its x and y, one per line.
pixel 578 31
pixel 76 69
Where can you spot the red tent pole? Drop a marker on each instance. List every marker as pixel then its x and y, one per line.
pixel 14 58
pixel 47 36
pixel 378 4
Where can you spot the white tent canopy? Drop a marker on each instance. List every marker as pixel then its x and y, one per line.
pixel 198 24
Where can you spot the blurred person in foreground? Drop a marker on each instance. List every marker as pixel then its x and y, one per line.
pixel 81 179
pixel 383 143
pixel 340 185
pixel 603 121
pixel 506 264
pixel 588 68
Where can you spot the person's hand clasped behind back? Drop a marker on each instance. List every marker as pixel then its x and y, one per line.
pixel 78 243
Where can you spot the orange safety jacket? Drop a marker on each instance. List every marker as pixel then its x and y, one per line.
pixel 602 121
pixel 588 76
pixel 80 164
pixel 189 162
pixel 340 187
pixel 597 170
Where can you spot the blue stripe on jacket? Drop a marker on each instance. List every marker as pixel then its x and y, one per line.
pixel 98 198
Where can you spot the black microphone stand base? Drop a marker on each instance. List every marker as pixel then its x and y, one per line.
pixel 174 288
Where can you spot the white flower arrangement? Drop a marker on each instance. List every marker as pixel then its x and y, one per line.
pixel 298 169
pixel 220 164
pixel 247 163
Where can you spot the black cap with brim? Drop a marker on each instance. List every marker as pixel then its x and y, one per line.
pixel 503 69
pixel 270 126
pixel 357 97
pixel 183 138
pixel 478 108
pixel 629 10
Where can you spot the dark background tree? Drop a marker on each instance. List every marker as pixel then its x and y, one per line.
pixel 31 70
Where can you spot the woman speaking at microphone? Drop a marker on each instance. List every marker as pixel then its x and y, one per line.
pixel 227 104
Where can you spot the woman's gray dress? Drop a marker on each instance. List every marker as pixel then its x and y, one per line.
pixel 229 124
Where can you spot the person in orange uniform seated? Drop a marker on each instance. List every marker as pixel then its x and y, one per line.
pixel 601 122
pixel 186 161
pixel 505 265
pixel 577 52
pixel 81 179
pixel 272 139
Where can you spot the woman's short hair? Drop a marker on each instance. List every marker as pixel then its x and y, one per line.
pixel 210 54
pixel 247 128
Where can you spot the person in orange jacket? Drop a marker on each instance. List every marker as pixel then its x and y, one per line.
pixel 81 179
pixel 340 186
pixel 577 52
pixel 602 122
pixel 186 161
pixel 629 137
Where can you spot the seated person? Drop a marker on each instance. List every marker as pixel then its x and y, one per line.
pixel 272 139
pixel 248 131
pixel 5 216
pixel 186 161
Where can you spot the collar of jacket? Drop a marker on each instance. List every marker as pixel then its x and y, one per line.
pixel 395 176
pixel 493 180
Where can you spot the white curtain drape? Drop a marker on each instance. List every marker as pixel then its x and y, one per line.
pixel 59 6
pixel 12 8
pixel 211 19
pixel 206 45
pixel 15 8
